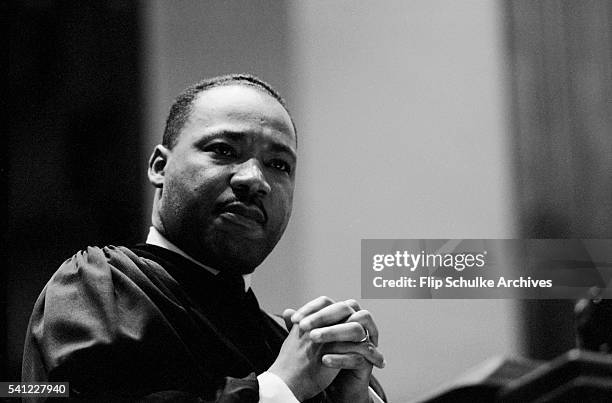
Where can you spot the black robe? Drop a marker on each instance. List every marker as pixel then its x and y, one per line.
pixel 145 322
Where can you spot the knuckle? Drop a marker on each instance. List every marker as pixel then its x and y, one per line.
pixel 357 329
pixel 364 313
pixel 352 303
pixel 306 322
pixel 347 308
pixel 325 300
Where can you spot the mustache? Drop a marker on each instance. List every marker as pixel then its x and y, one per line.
pixel 252 208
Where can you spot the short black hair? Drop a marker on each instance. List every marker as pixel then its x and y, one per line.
pixel 181 108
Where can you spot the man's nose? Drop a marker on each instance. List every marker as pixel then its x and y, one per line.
pixel 250 180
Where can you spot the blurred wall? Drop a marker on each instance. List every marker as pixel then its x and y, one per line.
pixel 403 135
pixel 401 119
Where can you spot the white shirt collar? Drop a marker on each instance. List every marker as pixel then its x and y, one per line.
pixel 156 238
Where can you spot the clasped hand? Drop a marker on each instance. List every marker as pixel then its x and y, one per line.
pixel 331 346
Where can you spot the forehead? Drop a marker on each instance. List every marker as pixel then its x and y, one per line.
pixel 241 108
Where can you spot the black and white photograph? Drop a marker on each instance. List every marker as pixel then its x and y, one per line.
pixel 307 201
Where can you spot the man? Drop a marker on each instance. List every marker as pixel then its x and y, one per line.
pixel 175 319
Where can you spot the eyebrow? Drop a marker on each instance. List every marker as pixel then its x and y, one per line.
pixel 281 148
pixel 238 136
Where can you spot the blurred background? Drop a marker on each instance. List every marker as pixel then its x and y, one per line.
pixel 417 119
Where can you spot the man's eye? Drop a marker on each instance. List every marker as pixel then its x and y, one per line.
pixel 222 150
pixel 280 165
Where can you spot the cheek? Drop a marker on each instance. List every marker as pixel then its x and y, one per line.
pixel 196 185
pixel 283 202
pixel 196 176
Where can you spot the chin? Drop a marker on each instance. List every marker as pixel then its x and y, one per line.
pixel 235 248
pixel 247 261
pixel 241 255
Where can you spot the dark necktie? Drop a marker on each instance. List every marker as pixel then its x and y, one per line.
pixel 245 324
pixel 234 284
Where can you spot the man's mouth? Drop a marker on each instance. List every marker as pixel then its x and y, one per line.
pixel 250 212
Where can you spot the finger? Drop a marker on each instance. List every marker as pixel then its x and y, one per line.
pixel 365 319
pixel 353 304
pixel 311 307
pixel 345 361
pixel 352 332
pixel 367 350
pixel 287 313
pixel 338 312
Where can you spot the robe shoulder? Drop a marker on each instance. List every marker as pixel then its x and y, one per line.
pixel 115 324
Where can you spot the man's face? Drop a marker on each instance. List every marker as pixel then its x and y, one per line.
pixel 228 181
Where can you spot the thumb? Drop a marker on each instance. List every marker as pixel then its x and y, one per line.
pixel 287 314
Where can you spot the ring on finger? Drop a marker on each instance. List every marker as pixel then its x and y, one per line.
pixel 366 338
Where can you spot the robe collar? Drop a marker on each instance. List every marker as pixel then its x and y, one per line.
pixel 156 238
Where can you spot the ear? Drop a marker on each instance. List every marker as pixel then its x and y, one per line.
pixel 157 165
